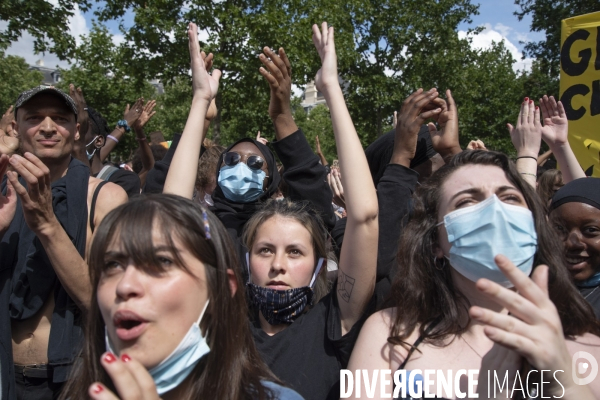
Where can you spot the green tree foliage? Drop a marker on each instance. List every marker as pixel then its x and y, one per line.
pixel 546 17
pixel 46 21
pixel 98 70
pixel 15 77
pixel 317 122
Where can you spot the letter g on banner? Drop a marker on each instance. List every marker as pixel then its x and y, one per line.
pixel 580 368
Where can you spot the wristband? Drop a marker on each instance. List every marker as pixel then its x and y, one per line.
pixel 123 124
pixel 113 138
pixel 140 139
pixel 527 157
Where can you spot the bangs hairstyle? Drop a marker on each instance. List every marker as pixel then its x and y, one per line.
pixel 307 216
pixel 233 369
pixel 423 294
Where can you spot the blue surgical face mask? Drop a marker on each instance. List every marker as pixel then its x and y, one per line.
pixel 171 371
pixel 479 233
pixel 282 306
pixel 240 183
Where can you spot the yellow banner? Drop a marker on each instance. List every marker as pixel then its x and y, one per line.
pixel 580 87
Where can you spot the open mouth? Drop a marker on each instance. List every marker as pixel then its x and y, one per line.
pixel 128 325
pixel 573 260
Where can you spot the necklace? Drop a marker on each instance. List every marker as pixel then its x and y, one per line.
pixel 590 293
pixel 465 340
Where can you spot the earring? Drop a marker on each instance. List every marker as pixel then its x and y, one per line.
pixel 444 263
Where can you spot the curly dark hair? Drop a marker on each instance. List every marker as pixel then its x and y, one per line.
pixel 98 123
pixel 424 294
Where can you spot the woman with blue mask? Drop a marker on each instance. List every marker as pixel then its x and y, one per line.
pixel 169 314
pixel 470 293
pixel 304 331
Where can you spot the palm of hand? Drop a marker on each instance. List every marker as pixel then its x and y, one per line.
pixel 555 129
pixel 8 206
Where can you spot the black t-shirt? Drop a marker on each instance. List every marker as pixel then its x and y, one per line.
pixel 129 181
pixel 592 295
pixel 310 352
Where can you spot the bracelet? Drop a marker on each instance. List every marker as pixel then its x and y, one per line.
pixel 527 173
pixel 113 138
pixel 123 124
pixel 527 157
pixel 140 139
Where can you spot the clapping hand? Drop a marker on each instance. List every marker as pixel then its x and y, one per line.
pixel 8 202
pixel 476 145
pixel 327 75
pixel 6 122
pixel 82 113
pixel 204 86
pixel 445 141
pixel 147 113
pixel 556 125
pixel 132 114
pixel 527 135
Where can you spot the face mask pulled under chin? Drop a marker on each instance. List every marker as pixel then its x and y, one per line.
pixel 281 306
pixel 173 370
pixel 479 233
pixel 88 154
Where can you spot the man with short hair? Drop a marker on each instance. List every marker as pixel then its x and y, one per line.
pixel 48 208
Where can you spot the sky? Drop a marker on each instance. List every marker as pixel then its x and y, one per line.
pixel 495 15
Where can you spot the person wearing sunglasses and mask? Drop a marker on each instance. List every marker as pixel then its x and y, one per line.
pixel 247 174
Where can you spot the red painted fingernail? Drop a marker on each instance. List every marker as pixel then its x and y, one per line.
pixel 110 358
pixel 125 358
pixel 530 101
pixel 98 389
pixel 526 98
pixel 537 108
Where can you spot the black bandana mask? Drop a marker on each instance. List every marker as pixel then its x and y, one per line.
pixel 282 306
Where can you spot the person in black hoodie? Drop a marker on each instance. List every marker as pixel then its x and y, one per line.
pixel 304 175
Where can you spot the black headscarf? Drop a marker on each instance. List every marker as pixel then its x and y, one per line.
pixel 583 190
pixel 234 215
pixel 379 153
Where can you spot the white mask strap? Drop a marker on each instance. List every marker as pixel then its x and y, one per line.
pixel 319 265
pixel 203 311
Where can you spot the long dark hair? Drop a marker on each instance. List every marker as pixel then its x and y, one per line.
pixel 233 368
pixel 424 294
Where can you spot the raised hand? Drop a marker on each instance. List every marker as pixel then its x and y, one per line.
pixel 212 111
pixel 318 144
pixel 277 70
pixel 410 119
pixel 527 135
pixel 130 378
pixel 445 141
pixel 327 75
pixel 8 202
pixel 6 122
pixel 147 113
pixel 334 178
pixel 36 199
pixel 533 325
pixel 261 139
pixel 476 145
pixel 555 131
pixel 131 114
pixel 204 86
pixel 82 114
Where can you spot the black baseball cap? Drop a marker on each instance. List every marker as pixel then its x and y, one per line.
pixel 31 93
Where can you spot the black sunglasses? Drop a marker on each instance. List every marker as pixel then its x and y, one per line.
pixel 231 158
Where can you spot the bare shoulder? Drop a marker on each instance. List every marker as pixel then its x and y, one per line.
pixel 586 342
pixel 109 197
pixel 373 346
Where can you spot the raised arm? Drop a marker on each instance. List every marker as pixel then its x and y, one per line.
pixel 130 115
pixel 555 133
pixel 358 259
pixel 182 172
pixel 138 127
pixel 526 136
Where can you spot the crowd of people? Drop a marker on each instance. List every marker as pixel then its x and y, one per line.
pixel 259 271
